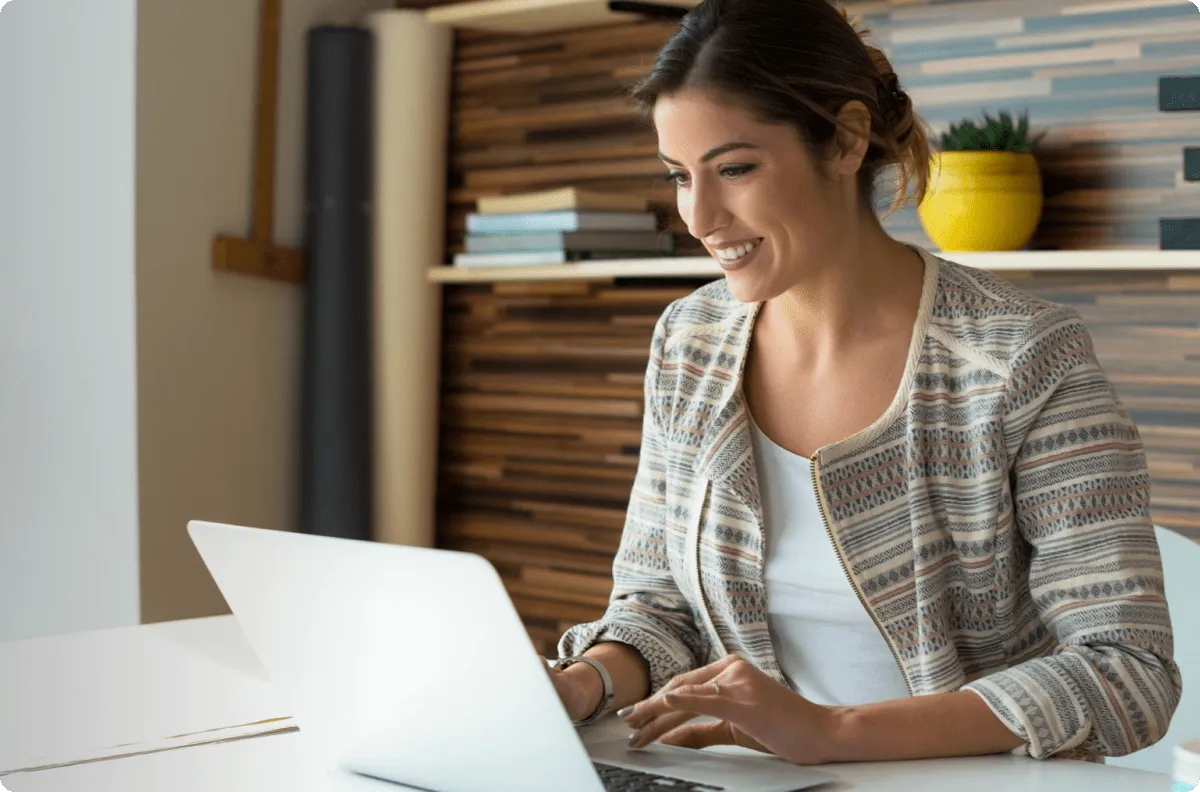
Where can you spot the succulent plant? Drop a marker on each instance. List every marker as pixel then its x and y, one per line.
pixel 996 134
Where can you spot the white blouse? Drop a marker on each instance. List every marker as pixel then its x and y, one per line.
pixel 826 643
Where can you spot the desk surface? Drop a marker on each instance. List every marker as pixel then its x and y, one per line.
pixel 68 697
pixel 281 761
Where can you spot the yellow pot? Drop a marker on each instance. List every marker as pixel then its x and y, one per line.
pixel 982 200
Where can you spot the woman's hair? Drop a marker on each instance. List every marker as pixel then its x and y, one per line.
pixel 796 62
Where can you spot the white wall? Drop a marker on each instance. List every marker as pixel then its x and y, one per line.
pixel 219 353
pixel 68 466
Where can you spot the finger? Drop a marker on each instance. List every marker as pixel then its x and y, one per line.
pixel 699 735
pixel 661 705
pixel 657 727
pixel 702 735
pixel 701 704
pixel 702 674
pixel 638 714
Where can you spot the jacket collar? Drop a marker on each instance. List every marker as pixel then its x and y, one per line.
pixel 726 453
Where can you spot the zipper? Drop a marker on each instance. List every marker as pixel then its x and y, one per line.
pixel 838 552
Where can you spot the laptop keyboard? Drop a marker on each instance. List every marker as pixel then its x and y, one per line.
pixel 622 779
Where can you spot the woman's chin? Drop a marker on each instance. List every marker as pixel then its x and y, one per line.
pixel 747 287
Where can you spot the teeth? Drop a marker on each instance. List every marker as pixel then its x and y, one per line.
pixel 730 254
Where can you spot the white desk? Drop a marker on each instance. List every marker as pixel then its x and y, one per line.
pixel 281 761
pixel 108 692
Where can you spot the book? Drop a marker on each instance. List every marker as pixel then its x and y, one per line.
pixel 631 241
pixel 562 198
pixel 521 258
pixel 518 259
pixel 565 220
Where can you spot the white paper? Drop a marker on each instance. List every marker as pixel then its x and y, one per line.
pixel 271 763
pixel 104 693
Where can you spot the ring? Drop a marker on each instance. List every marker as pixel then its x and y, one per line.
pixel 716 688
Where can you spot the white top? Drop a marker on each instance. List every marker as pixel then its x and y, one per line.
pixel 826 643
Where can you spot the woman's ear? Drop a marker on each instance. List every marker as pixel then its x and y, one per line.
pixel 852 139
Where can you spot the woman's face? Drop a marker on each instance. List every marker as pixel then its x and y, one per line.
pixel 752 193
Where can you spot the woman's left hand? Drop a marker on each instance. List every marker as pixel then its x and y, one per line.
pixel 755 712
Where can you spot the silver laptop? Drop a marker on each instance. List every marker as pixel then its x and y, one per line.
pixel 411 665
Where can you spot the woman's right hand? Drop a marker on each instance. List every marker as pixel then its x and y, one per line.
pixel 576 697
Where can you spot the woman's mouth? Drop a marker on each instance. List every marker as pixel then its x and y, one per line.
pixel 736 257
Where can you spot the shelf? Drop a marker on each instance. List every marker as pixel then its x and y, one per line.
pixel 705 266
pixel 541 16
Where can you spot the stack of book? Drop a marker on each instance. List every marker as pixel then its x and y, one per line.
pixel 559 226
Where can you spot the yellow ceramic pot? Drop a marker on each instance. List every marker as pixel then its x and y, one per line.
pixel 982 200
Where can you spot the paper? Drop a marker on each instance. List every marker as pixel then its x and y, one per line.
pixel 146 688
pixel 286 763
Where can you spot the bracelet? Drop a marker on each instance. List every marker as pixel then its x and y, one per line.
pixel 606 698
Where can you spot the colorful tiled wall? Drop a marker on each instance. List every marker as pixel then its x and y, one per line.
pixel 1087 72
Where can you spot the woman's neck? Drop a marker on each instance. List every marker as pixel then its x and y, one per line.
pixel 869 285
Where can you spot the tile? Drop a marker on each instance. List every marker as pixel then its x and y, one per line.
pixel 1172 49
pixel 1180 233
pixel 1180 11
pixel 1179 92
pixel 1191 164
pixel 911 76
pixel 1105 82
pixel 1113 5
pixel 1097 53
pixel 901 54
pixel 935 96
pixel 958 31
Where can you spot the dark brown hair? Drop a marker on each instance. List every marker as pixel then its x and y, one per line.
pixel 796 62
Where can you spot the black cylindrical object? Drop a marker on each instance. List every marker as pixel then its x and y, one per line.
pixel 335 487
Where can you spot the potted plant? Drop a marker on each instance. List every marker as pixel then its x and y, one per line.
pixel 985 190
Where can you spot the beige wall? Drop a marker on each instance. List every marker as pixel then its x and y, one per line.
pixel 218 354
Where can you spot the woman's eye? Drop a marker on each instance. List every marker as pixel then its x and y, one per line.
pixel 736 170
pixel 729 171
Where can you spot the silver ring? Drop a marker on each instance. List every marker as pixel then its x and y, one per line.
pixel 716 688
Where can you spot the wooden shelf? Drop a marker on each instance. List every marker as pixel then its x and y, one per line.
pixel 704 266
pixel 541 16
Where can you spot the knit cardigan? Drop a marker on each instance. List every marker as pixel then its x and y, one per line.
pixel 994 521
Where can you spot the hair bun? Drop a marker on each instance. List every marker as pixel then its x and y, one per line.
pixel 892 98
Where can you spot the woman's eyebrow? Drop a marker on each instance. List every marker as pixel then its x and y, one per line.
pixel 716 152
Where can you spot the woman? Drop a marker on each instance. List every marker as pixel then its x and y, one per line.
pixel 887 507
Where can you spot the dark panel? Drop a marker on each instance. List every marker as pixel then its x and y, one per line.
pixel 1179 93
pixel 1180 233
pixel 1191 164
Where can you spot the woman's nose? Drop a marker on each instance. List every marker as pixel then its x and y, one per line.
pixel 706 213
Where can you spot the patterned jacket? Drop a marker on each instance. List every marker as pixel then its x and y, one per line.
pixel 994 520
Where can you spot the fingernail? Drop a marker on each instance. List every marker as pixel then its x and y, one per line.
pixel 633 738
pixel 624 711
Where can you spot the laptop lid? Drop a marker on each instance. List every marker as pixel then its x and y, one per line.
pixel 404 663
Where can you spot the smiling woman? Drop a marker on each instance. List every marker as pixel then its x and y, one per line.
pixel 778 147
pixel 887 507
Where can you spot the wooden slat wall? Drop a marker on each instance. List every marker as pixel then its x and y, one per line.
pixel 541 425
pixel 541 397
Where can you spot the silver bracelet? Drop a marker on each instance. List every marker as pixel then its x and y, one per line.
pixel 606 698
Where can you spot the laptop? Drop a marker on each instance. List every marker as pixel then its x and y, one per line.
pixel 411 665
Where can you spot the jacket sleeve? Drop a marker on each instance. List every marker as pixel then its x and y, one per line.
pixel 1081 497
pixel 646 609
